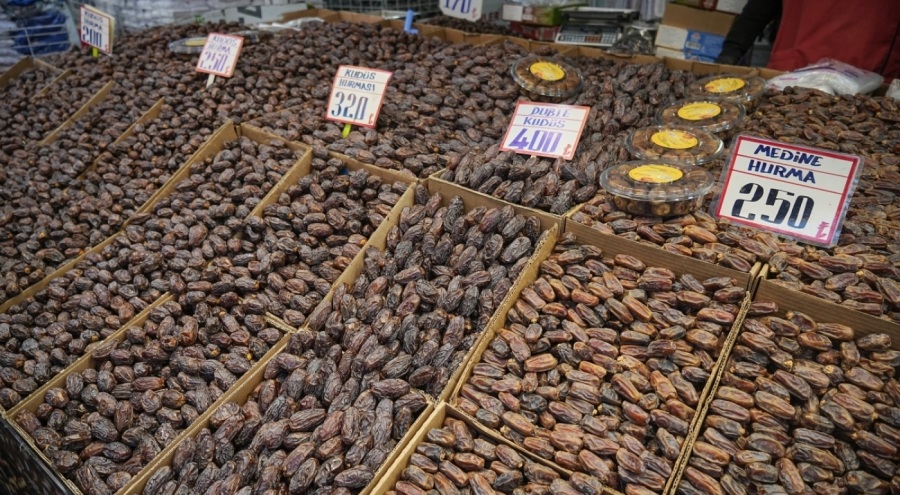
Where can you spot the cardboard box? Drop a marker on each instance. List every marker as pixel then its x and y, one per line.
pixel 612 245
pixel 542 15
pixel 697 31
pixel 682 55
pixel 731 6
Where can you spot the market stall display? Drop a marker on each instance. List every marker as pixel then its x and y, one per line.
pixel 216 289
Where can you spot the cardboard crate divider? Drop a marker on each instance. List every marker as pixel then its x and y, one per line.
pixel 148 116
pixel 36 398
pixel 98 97
pixel 685 263
pixel 826 311
pixel 708 393
pixel 240 393
pixel 23 66
pixel 442 411
pixel 653 257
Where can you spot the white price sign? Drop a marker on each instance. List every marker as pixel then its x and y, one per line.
pixel 799 192
pixel 462 9
pixel 545 129
pixel 96 29
pixel 357 95
pixel 220 54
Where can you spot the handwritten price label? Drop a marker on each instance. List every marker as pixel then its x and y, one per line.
pixel 96 29
pixel 545 129
pixel 220 54
pixel 799 192
pixel 357 95
pixel 469 10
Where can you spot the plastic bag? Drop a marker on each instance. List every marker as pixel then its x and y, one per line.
pixel 831 76
pixel 894 90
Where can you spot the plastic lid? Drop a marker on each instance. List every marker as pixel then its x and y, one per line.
pixel 744 89
pixel 657 181
pixel 709 114
pixel 681 144
pixel 547 76
pixel 188 46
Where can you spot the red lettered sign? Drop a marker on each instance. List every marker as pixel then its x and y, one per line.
pixel 545 129
pixel 356 95
pixel 795 191
pixel 220 54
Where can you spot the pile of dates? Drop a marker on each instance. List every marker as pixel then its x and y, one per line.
pixel 602 363
pixel 421 303
pixel 803 407
pixel 314 230
pixel 200 219
pixel 43 334
pixel 318 421
pixel 697 235
pixel 855 276
pixel 108 421
pixel 140 164
pixel 456 458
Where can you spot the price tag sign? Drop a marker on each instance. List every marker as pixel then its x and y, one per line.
pixel 799 192
pixel 220 54
pixel 96 29
pixel 469 10
pixel 545 129
pixel 357 95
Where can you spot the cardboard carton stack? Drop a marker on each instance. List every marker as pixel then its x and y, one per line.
pixel 691 33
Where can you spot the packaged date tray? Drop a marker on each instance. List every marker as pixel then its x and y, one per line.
pixel 715 115
pixel 656 187
pixel 680 144
pixel 547 76
pixel 744 89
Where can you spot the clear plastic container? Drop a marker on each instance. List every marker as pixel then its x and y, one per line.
pixel 715 115
pixel 188 46
pixel 191 46
pixel 680 144
pixel 656 187
pixel 746 90
pixel 547 76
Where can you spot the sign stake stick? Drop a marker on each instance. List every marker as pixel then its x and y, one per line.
pixel 210 80
pixel 346 131
pixel 95 52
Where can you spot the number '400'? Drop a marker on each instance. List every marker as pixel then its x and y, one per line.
pixel 796 210
pixel 350 106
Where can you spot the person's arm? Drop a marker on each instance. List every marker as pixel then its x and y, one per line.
pixel 751 22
